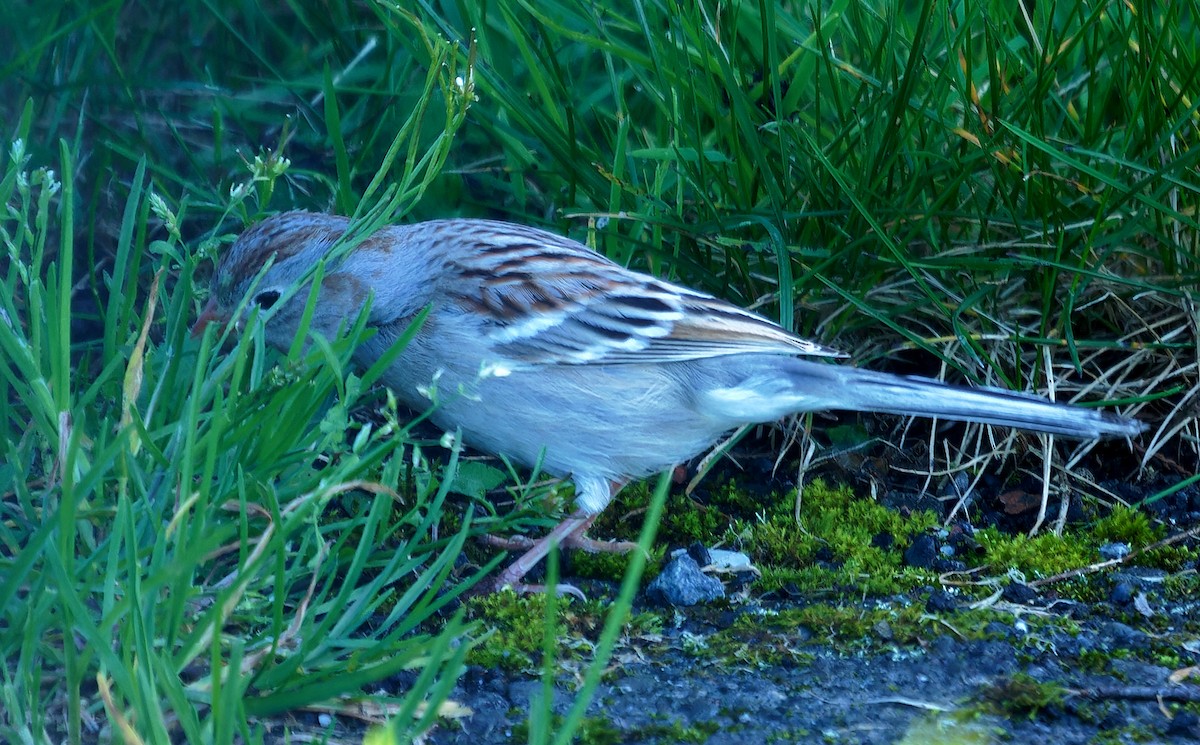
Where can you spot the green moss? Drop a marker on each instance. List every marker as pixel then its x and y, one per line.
pixel 1038 556
pixel 699 732
pixel 1181 586
pixel 962 727
pixel 1170 558
pixel 694 523
pixel 749 647
pixel 771 638
pixel 1022 695
pixel 719 517
pixel 845 624
pixel 841 541
pixel 515 629
pixel 600 731
pixel 1124 736
pixel 1047 555
pixel 1096 662
pixel 853 547
pixel 834 545
pixel 784 637
pixel 1134 527
pixel 1127 525
pixel 789 736
pixel 592 731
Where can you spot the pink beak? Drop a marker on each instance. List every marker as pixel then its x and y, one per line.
pixel 207 316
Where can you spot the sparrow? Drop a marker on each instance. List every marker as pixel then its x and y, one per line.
pixel 542 350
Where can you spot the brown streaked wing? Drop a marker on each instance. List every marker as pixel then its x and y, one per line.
pixel 550 300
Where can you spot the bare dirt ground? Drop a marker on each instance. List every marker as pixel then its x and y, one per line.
pixel 1108 682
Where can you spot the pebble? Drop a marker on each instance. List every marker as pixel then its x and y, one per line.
pixel 1113 551
pixel 1016 592
pixel 682 584
pixel 1121 594
pixel 921 553
pixel 940 601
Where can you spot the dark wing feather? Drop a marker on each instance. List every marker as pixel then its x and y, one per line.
pixel 550 300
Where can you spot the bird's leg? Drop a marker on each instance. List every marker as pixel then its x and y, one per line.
pixel 537 550
pixel 577 538
pixel 569 533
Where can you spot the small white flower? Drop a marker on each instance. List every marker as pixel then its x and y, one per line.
pixel 270 167
pixel 45 177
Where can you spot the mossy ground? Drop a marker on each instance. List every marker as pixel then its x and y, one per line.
pixel 835 577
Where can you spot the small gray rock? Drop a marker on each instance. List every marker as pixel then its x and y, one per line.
pixel 681 583
pixel 1113 551
pixel 921 553
pixel 1122 593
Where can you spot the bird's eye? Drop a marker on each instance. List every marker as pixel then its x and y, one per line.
pixel 266 299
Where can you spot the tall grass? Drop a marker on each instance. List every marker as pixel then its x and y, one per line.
pixel 196 539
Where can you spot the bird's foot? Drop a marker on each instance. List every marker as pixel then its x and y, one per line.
pixel 516 543
pixel 567 533
pixel 593 546
pixel 580 541
pixel 562 589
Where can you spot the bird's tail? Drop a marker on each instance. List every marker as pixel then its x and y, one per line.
pixel 813 386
